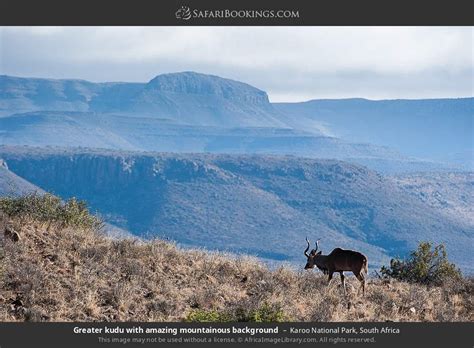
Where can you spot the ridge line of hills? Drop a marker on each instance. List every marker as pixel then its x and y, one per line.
pixel 257 204
pixel 192 112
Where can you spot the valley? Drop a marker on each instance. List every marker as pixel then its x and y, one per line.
pixel 255 204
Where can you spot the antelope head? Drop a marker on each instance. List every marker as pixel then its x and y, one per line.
pixel 312 256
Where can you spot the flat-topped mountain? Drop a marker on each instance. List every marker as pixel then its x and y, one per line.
pixel 201 84
pixel 187 97
pixel 188 111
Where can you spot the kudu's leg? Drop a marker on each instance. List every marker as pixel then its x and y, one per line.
pixel 343 282
pixel 361 278
pixel 330 277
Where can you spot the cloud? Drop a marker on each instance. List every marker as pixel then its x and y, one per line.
pixel 290 63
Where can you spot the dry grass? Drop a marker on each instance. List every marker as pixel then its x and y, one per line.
pixel 66 274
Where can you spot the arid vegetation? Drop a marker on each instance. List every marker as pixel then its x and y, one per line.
pixel 425 266
pixel 60 269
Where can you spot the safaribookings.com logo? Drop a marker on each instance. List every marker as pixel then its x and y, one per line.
pixel 183 13
pixel 186 13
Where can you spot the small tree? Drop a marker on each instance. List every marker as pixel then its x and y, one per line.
pixel 425 266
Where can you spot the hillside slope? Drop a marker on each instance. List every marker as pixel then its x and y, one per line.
pixel 57 273
pixel 261 205
pixel 12 185
pixel 452 194
pixel 435 129
pixel 120 132
pixel 29 94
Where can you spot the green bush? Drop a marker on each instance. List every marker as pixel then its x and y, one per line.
pixel 203 316
pixel 262 314
pixel 50 209
pixel 266 313
pixel 424 266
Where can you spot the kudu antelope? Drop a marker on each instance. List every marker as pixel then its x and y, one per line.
pixel 339 260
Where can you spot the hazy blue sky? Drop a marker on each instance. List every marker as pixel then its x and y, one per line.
pixel 290 63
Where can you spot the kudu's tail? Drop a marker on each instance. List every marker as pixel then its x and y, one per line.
pixel 365 266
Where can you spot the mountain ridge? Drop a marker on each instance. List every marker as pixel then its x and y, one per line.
pixel 438 129
pixel 436 132
pixel 245 203
pixel 133 133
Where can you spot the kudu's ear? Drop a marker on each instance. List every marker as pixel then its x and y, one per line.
pixel 319 253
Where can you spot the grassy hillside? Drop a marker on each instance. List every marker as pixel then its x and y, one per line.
pixel 58 267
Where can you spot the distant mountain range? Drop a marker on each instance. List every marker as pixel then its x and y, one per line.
pixel 210 162
pixel 436 129
pixel 185 98
pixel 256 204
pixel 191 112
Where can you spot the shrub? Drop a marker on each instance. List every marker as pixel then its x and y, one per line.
pixel 206 316
pixel 263 314
pixel 50 209
pixel 424 266
pixel 266 313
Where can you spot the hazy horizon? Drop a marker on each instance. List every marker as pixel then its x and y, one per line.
pixel 269 96
pixel 290 63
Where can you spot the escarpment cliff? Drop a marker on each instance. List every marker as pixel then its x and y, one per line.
pixel 261 205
